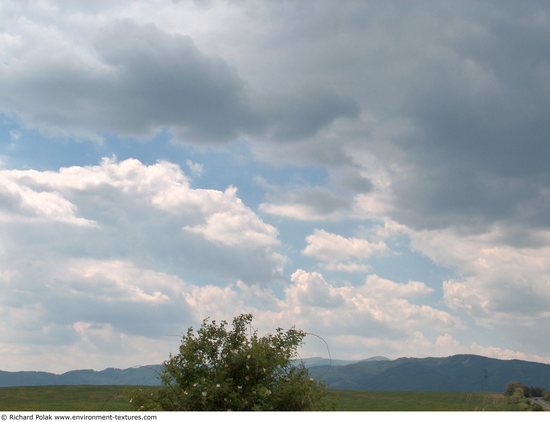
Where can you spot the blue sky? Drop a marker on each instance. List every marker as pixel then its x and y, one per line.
pixel 371 172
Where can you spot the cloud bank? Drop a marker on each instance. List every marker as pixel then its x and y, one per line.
pixel 423 228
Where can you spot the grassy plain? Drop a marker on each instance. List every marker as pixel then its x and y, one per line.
pixel 420 401
pixel 98 398
pixel 66 398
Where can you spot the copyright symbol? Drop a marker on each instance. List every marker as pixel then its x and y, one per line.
pixel 4 417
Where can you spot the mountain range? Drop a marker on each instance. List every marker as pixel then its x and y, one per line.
pixel 453 373
pixel 143 375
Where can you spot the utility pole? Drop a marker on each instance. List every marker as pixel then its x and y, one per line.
pixel 484 380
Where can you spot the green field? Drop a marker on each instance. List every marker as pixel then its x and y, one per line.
pixel 82 398
pixel 97 398
pixel 415 401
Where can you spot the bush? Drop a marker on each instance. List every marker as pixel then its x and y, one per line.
pixel 537 407
pixel 221 369
pixel 534 391
pixel 514 387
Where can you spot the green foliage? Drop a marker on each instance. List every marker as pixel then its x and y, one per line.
pixel 534 391
pixel 519 394
pixel 514 388
pixel 232 368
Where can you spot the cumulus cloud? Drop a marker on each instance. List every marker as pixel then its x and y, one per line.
pixel 380 287
pixel 131 299
pixel 340 253
pixel 128 210
pixel 97 345
pixel 499 353
pixel 376 314
pixel 95 260
pixel 236 228
pixel 379 306
pixel 312 289
pixel 308 203
pixel 494 277
pixel 89 310
pixel 100 307
pixel 429 120
pixel 499 286
pixel 21 202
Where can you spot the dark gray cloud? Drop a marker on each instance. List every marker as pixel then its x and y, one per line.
pixel 480 146
pixel 470 82
pixel 165 81
pixel 142 80
pixel 296 116
pixel 350 178
pixel 147 80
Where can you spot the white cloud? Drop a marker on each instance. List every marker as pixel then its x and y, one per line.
pixel 381 287
pixel 122 282
pixel 95 347
pixel 412 344
pixel 94 260
pixel 341 253
pixel 99 308
pixel 25 204
pixel 494 279
pixel 376 316
pixel 236 227
pixel 417 344
pixel 294 211
pixel 347 267
pixel 311 289
pixel 447 345
pixel 503 288
pixel 196 169
pixel 499 353
pixel 370 206
pixel 378 306
pixel 147 213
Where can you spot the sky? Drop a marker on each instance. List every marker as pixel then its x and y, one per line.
pixel 372 172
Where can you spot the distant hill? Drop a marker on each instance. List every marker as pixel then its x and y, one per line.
pixel 144 375
pixel 317 361
pixel 453 373
pixel 375 359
